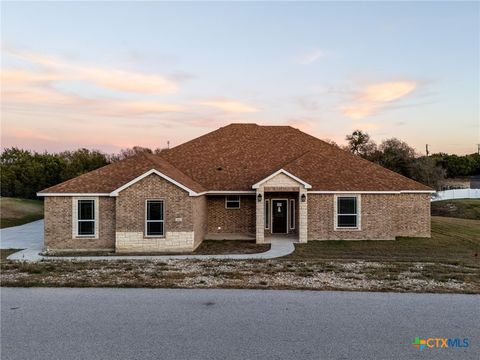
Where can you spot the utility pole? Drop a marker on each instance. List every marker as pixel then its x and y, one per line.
pixel 168 144
pixel 426 149
pixel 478 149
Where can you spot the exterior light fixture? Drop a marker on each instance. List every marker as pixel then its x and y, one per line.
pixel 304 197
pixel 259 197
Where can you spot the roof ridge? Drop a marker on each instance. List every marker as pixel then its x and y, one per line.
pixel 295 159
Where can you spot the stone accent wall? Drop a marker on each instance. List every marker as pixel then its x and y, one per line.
pixel 59 225
pixel 231 221
pixel 280 186
pixel 302 217
pixel 383 217
pixel 178 215
pixel 260 217
pixel 172 242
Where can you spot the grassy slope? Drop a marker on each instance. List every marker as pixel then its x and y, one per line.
pixel 453 241
pixel 15 212
pixel 464 208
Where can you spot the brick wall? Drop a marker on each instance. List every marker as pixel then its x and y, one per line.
pixel 200 223
pixel 383 217
pixel 178 215
pixel 59 225
pixel 413 215
pixel 233 221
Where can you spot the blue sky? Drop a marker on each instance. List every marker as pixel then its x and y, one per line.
pixel 111 75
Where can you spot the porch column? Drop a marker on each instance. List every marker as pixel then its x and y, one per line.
pixel 302 216
pixel 260 215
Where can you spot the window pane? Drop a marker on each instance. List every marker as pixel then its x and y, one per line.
pixel 86 228
pixel 155 228
pixel 154 210
pixel 347 205
pixel 233 201
pixel 267 214
pixel 292 214
pixel 86 209
pixel 347 221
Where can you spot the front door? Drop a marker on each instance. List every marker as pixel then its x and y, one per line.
pixel 279 216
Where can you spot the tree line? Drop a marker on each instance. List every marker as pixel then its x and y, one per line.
pixel 398 156
pixel 23 172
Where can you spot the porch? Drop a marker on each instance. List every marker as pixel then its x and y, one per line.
pixel 281 208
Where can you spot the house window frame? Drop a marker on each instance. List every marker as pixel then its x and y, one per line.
pixel 232 201
pixel 358 213
pixel 267 214
pixel 76 204
pixel 291 215
pixel 145 233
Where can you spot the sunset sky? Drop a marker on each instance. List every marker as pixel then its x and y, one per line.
pixel 113 75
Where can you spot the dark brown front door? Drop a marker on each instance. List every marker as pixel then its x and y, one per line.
pixel 279 216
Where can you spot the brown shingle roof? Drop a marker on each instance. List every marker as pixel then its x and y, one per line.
pixel 109 178
pixel 237 156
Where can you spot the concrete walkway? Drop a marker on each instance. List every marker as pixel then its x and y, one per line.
pixel 30 238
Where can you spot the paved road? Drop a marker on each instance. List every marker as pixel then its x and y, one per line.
pixel 231 324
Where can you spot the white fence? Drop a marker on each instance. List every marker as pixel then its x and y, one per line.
pixel 456 194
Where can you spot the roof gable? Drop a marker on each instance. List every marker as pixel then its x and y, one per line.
pixel 116 192
pixel 277 174
pixel 109 179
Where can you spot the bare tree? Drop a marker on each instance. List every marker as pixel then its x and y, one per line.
pixel 128 152
pixel 359 143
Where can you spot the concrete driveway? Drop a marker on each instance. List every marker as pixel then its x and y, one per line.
pixel 28 236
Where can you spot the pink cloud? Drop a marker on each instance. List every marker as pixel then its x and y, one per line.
pixel 375 97
pixel 113 79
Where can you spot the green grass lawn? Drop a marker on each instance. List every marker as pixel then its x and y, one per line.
pixel 445 263
pixel 453 241
pixel 463 208
pixel 15 211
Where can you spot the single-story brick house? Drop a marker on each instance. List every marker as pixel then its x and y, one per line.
pixel 240 181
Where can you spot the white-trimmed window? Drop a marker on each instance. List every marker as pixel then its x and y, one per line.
pixel 267 214
pixel 292 214
pixel 154 218
pixel 347 212
pixel 232 202
pixel 86 211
